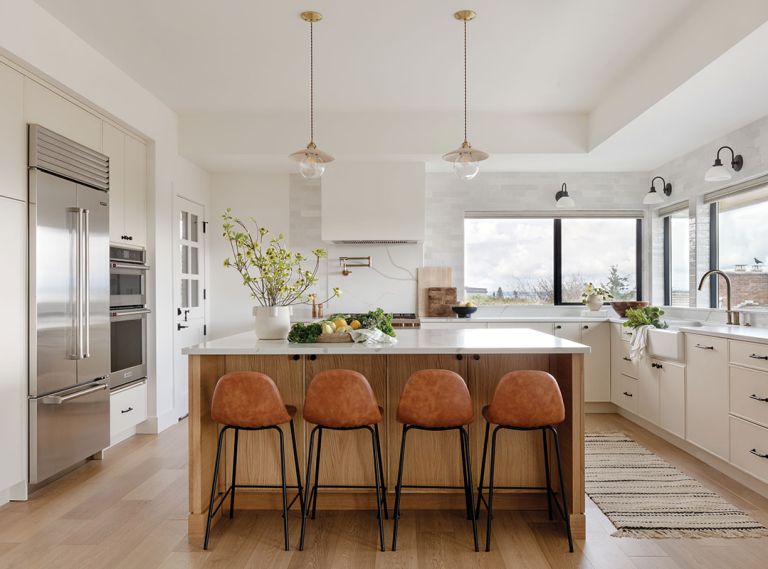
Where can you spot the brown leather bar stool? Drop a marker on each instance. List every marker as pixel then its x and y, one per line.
pixel 250 401
pixel 525 401
pixel 436 400
pixel 342 400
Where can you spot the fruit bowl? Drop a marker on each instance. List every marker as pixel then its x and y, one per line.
pixel 464 311
pixel 622 306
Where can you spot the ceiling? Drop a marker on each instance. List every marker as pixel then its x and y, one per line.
pixel 554 84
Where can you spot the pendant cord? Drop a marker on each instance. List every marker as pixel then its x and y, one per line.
pixel 311 84
pixel 465 81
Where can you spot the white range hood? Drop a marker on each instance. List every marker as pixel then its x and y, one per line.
pixel 373 202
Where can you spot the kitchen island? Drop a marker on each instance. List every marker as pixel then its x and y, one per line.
pixel 480 356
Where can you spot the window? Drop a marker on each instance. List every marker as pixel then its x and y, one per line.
pixel 677 283
pixel 739 241
pixel 521 260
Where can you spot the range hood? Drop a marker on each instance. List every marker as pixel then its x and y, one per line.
pixel 373 203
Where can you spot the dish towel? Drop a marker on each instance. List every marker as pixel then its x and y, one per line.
pixel 638 342
pixel 371 337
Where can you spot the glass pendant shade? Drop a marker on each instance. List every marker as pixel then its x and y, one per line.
pixel 311 161
pixel 652 198
pixel 717 173
pixel 565 202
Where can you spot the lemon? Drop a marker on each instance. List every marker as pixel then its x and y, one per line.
pixel 355 324
pixel 339 322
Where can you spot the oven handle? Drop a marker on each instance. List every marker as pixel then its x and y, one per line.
pixel 129 266
pixel 129 312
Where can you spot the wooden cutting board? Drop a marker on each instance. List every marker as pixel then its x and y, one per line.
pixel 431 277
pixel 440 300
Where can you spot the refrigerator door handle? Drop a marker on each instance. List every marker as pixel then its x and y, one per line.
pixel 59 399
pixel 87 282
pixel 78 355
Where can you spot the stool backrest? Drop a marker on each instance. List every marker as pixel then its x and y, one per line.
pixel 435 398
pixel 527 398
pixel 248 399
pixel 341 398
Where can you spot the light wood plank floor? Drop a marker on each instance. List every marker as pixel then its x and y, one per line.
pixel 129 512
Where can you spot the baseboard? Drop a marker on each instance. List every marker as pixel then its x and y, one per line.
pixel 120 437
pixel 15 493
pixel 155 425
pixel 703 455
pixel 600 407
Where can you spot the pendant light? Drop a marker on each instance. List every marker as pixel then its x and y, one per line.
pixel 653 197
pixel 718 172
pixel 311 160
pixel 562 199
pixel 465 158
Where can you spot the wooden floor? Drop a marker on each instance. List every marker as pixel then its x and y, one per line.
pixel 129 511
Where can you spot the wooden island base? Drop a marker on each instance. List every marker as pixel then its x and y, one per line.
pixel 432 458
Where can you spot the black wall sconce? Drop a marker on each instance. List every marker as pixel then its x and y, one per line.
pixel 718 172
pixel 562 199
pixel 653 197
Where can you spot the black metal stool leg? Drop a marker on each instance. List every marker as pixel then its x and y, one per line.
pixel 468 483
pixel 398 489
pixel 381 473
pixel 213 488
pixel 307 488
pixel 284 488
pixel 563 493
pixel 317 472
pixel 546 473
pixel 490 490
pixel 234 476
pixel 468 501
pixel 482 469
pixel 298 468
pixel 376 472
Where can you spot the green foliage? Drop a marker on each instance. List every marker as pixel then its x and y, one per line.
pixel 304 333
pixel 274 274
pixel 646 316
pixel 591 289
pixel 617 284
pixel 373 319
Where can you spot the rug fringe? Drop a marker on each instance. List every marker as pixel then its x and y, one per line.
pixel 690 533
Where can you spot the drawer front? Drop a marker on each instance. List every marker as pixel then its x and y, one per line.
pixel 749 394
pixel 624 393
pixel 749 448
pixel 749 354
pixel 705 348
pixel 627 365
pixel 626 334
pixel 128 408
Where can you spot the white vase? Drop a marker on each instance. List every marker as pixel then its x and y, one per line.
pixel 594 302
pixel 272 322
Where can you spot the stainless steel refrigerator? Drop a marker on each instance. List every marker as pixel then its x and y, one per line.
pixel 69 357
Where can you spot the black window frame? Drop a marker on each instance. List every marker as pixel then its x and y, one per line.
pixel 714 252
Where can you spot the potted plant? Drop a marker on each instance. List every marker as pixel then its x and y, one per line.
pixel 594 296
pixel 275 275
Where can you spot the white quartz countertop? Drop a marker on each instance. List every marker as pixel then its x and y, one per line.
pixel 459 341
pixel 486 319
pixel 733 332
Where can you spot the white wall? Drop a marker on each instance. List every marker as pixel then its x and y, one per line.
pixel 261 196
pixel 32 37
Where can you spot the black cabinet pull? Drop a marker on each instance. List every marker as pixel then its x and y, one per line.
pixel 754 451
pixel 459 357
pixel 476 357
pixel 127 410
pixel 756 397
pixel 181 326
pixel 558 327
pixel 657 366
pixel 295 357
pixel 705 347
pixel 628 394
pixel 626 359
pixel 756 357
pixel 586 326
pixel 313 357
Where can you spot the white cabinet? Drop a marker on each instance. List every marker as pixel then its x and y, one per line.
pixel 597 375
pixel 127 187
pixel 545 327
pixel 13 135
pixel 624 392
pixel 127 408
pixel 706 396
pixel 749 448
pixel 44 107
pixel 672 397
pixel 13 343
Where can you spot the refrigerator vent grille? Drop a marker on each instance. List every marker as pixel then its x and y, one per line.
pixel 58 155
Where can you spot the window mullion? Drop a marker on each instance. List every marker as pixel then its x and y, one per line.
pixel 558 265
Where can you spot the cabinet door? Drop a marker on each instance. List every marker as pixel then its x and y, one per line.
pixel 13 135
pixel 597 364
pixel 568 330
pixel 706 394
pixel 114 147
pixel 135 199
pixel 648 390
pixel 44 107
pixel 13 341
pixel 672 398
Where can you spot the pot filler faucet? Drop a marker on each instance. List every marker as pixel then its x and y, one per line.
pixel 733 316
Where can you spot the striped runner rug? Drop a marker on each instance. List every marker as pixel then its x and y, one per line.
pixel 646 497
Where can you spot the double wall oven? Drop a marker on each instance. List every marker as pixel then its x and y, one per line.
pixel 128 314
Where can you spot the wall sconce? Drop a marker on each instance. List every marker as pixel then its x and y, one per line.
pixel 347 262
pixel 653 197
pixel 562 199
pixel 718 172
